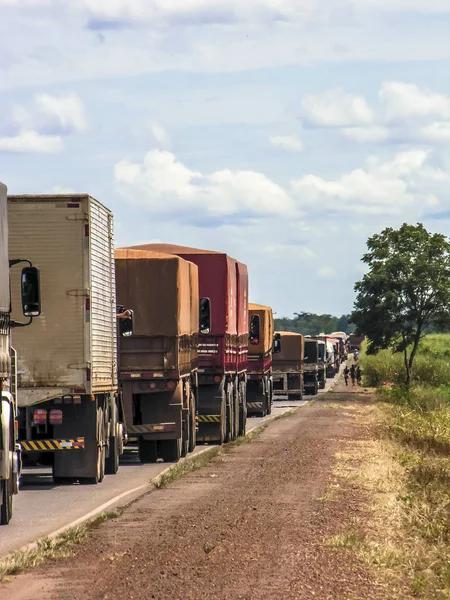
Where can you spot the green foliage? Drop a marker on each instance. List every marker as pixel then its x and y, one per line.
pixel 432 364
pixel 406 289
pixel 312 324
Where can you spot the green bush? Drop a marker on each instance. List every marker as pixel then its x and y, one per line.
pixel 431 366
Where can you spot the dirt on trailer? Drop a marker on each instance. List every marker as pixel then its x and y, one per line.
pixel 254 524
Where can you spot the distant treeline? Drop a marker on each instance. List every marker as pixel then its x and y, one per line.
pixel 312 324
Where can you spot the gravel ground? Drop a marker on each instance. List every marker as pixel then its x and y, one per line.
pixel 250 525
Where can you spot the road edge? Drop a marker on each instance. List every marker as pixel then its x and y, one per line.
pixel 154 483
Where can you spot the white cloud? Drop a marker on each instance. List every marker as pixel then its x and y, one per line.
pixel 40 126
pixel 381 188
pixel 436 132
pixel 335 108
pixel 405 113
pixel 372 133
pixel 64 112
pixel 160 135
pixel 290 143
pixel 327 273
pixel 31 141
pixel 164 185
pixel 405 100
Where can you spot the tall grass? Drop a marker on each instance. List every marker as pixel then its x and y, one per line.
pixel 418 422
pixel 431 366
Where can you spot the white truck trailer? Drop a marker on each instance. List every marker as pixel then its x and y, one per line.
pixel 69 406
pixel 10 457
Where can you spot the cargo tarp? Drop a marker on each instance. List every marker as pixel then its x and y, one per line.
pixel 292 349
pixel 266 328
pixel 160 289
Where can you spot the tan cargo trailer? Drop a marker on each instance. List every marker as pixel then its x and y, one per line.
pixel 288 365
pixel 67 373
pixel 158 365
pixel 259 372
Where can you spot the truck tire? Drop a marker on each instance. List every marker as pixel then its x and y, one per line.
pixel 192 422
pixel 112 460
pixel 185 424
pixel 242 408
pixel 100 464
pixel 148 451
pixel 171 450
pixel 229 433
pixel 270 389
pixel 6 508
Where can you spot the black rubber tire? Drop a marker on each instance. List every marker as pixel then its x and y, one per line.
pixel 6 508
pixel 148 451
pixel 269 405
pixel 229 432
pixel 242 409
pixel 101 454
pixel 192 424
pixel 112 461
pixel 223 420
pixel 170 450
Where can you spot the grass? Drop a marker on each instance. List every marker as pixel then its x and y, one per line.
pixel 47 548
pixel 406 471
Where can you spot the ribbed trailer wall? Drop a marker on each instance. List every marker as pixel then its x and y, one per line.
pixel 103 299
pixel 71 347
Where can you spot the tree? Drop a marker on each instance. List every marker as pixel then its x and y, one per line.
pixel 406 289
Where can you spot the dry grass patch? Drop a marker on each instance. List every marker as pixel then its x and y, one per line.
pixel 61 546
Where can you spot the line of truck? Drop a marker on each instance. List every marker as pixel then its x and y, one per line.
pixel 154 344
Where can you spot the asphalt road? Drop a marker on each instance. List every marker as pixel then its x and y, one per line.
pixel 42 507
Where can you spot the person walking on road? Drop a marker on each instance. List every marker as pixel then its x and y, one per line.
pixel 346 374
pixel 355 355
pixel 353 374
pixel 358 374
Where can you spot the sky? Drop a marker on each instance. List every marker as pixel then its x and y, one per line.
pixel 282 132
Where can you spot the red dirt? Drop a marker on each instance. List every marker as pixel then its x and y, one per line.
pixel 249 525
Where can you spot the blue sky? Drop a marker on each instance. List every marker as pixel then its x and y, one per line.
pixel 283 132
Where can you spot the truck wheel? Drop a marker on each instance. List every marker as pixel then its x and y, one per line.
pixel 112 460
pixel 100 465
pixel 171 450
pixel 242 408
pixel 269 405
pixel 147 451
pixel 6 509
pixel 223 419
pixel 192 422
pixel 229 434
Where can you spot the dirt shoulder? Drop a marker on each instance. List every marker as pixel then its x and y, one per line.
pixel 256 523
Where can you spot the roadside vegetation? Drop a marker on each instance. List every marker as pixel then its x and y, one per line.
pixel 416 419
pixel 404 294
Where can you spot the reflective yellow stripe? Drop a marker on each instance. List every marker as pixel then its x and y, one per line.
pixel 41 445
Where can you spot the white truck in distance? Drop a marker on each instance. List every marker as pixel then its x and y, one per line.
pixel 10 456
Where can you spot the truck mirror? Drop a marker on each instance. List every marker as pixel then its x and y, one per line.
pixel 31 292
pixel 205 316
pixel 254 330
pixel 126 325
pixel 276 343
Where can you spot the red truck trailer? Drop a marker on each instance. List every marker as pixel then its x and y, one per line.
pixel 158 364
pixel 223 341
pixel 259 375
